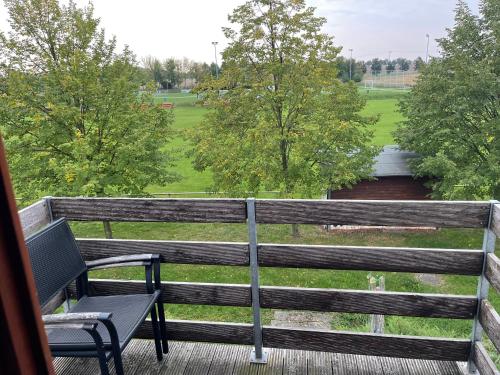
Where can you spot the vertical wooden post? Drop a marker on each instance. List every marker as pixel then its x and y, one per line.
pixel 377 321
pixel 23 342
pixel 108 233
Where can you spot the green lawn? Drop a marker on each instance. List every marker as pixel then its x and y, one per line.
pixel 187 115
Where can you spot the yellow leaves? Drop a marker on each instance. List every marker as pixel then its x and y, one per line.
pixel 69 176
pixel 490 138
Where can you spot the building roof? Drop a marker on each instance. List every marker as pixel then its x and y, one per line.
pixel 393 162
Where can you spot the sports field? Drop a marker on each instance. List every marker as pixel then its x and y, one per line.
pixel 381 102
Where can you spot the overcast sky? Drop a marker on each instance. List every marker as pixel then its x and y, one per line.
pixel 179 28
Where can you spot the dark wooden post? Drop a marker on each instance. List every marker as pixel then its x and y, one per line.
pixel 23 343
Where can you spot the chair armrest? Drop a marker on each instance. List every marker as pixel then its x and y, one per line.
pixel 123 261
pixel 54 319
pixel 76 326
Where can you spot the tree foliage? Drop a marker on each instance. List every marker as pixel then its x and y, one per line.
pixel 69 107
pixel 376 66
pixel 453 111
pixel 346 66
pixel 286 122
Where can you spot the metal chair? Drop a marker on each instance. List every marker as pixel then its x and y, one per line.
pixel 95 326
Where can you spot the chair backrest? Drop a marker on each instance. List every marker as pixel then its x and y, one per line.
pixel 55 259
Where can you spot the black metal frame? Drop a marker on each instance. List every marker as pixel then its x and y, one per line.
pixel 89 321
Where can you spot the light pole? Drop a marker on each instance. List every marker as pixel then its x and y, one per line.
pixel 216 64
pixel 427 49
pixel 350 65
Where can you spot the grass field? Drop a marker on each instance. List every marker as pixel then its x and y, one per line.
pixel 379 102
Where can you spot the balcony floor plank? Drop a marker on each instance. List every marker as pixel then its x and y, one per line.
pixel 205 359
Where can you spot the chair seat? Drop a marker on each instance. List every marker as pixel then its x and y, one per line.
pixel 128 313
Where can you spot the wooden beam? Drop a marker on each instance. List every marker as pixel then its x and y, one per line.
pixel 483 361
pixel 186 252
pixel 367 344
pixel 384 213
pixel 150 209
pixel 178 292
pixel 184 330
pixel 54 303
pixel 495 223
pixel 390 259
pixel 490 321
pixel 369 302
pixel 492 271
pixel 23 342
pixel 34 217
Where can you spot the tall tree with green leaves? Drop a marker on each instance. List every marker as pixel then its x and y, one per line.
pixel 69 107
pixel 453 112
pixel 286 122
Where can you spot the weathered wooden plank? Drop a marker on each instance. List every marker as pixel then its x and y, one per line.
pixel 275 362
pixel 319 363
pixel 492 271
pixel 34 217
pixel 242 364
pixel 177 359
pixel 367 344
pixel 178 292
pixel 490 321
pixel 369 302
pixel 384 213
pixel 185 252
pixel 150 209
pixel 185 330
pixel 495 219
pixel 54 303
pixel 483 361
pixel 294 362
pixel 200 359
pixel 390 259
pixel 223 360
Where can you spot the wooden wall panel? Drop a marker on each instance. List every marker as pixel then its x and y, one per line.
pixel 150 209
pixel 382 213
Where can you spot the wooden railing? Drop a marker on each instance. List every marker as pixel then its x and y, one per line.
pixel 482 263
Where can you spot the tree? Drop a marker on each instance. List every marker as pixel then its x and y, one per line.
pixel 172 73
pixel 346 66
pixel 286 122
pixel 376 66
pixel 419 63
pixel 453 119
pixel 69 107
pixel 155 70
pixel 390 67
pixel 404 64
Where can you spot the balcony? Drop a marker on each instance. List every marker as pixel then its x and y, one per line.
pixel 201 347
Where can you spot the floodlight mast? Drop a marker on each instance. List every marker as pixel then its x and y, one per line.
pixel 427 49
pixel 350 65
pixel 216 64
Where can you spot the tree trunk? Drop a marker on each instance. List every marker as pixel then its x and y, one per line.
pixel 108 233
pixel 295 230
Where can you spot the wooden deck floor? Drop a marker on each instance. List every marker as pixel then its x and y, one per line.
pixel 216 359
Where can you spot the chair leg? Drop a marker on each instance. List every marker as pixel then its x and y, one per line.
pixel 117 359
pixel 101 353
pixel 163 327
pixel 156 333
